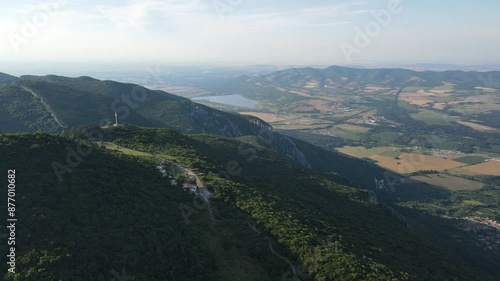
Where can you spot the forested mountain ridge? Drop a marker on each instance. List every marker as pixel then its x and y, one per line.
pixel 384 77
pixel 86 100
pixel 56 104
pixel 6 77
pixel 330 231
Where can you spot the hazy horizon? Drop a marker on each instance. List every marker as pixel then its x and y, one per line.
pixel 231 33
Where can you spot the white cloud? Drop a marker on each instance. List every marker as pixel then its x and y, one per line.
pixel 140 15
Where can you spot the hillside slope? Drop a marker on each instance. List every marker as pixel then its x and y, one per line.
pixel 75 101
pixel 331 231
pixel 56 104
pixel 113 211
pixel 6 77
pixel 114 216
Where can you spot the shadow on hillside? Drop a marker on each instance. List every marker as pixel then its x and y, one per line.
pixel 450 234
pixel 418 191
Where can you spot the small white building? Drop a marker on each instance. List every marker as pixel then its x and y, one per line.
pixel 189 187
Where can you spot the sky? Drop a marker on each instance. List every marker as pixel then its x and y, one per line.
pixel 250 32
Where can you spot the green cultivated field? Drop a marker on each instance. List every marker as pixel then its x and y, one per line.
pixel 471 160
pixel 433 118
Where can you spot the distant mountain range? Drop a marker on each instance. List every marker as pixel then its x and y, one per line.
pixel 350 79
pixel 433 66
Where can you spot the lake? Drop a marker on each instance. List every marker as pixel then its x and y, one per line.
pixel 234 100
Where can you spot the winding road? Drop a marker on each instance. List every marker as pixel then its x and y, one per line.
pixel 294 270
pixel 203 191
pixel 205 194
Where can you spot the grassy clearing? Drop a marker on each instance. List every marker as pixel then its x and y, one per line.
pixel 472 203
pixel 253 140
pixel 449 182
pixel 391 152
pixel 362 152
pixel 127 151
pixel 446 144
pixel 433 118
pixel 347 131
pixel 385 138
pixel 354 128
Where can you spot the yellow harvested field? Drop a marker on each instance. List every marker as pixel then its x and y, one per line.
pixel 449 182
pixel 486 168
pixel 478 127
pixel 362 152
pixel 447 87
pixel 422 97
pixel 418 98
pixel 410 163
pixel 311 85
pixel 371 89
pixel 439 105
pixel 302 94
pixel 321 105
pixel 268 117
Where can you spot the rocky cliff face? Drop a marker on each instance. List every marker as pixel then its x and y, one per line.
pixel 210 121
pixel 207 120
pixel 278 142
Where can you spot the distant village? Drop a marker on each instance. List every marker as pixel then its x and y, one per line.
pixel 188 178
